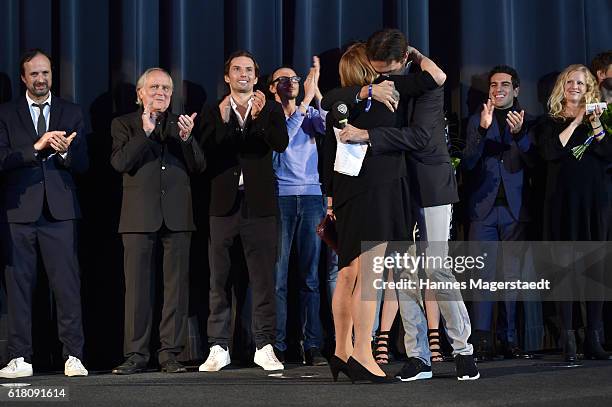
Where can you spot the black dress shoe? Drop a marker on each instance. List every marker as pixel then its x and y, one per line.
pixel 592 346
pixel 484 355
pixel 483 350
pixel 513 351
pixel 569 346
pixel 172 366
pixel 130 366
pixel 313 357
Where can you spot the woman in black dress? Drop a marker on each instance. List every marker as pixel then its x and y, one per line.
pixel 371 207
pixel 576 203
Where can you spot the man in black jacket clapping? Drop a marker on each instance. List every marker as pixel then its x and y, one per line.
pixel 243 203
pixel 155 151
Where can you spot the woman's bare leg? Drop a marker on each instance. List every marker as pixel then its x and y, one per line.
pixel 341 310
pixel 364 309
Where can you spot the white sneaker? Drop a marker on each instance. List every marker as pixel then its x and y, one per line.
pixel 217 359
pixel 266 358
pixel 74 367
pixel 17 368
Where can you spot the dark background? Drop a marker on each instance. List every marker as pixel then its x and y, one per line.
pixel 99 48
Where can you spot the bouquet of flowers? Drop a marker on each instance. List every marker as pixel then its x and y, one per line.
pixel 606 123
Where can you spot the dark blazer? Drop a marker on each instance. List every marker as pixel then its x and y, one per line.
pixel 156 183
pixel 28 178
pixel 491 161
pixel 420 133
pixel 428 157
pixel 250 150
pixel 376 170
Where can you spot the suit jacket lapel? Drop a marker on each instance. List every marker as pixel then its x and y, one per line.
pixel 26 118
pixel 55 115
pixel 137 120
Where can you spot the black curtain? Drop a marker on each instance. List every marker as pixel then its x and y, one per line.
pixel 538 38
pixel 100 46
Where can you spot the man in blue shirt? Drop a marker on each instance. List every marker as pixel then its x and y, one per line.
pixel 301 206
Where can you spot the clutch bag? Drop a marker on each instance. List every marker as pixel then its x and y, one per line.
pixel 326 230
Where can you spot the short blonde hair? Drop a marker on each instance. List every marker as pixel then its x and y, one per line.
pixel 143 78
pixel 556 102
pixel 355 68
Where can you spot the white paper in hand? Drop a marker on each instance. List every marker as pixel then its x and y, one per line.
pixel 349 157
pixel 590 107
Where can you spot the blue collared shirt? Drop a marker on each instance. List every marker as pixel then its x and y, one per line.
pixel 296 169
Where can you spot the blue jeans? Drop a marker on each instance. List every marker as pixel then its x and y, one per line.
pixel 299 216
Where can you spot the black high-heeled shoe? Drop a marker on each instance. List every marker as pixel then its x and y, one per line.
pixel 359 373
pixel 592 347
pixel 337 365
pixel 569 346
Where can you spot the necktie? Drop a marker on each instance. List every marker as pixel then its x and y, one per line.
pixel 41 125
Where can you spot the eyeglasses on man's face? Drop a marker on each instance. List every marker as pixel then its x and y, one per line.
pixel 286 79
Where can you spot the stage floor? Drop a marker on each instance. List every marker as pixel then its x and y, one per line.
pixel 515 382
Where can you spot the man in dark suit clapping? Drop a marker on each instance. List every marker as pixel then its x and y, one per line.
pixel 498 154
pixel 41 145
pixel 243 203
pixel 155 151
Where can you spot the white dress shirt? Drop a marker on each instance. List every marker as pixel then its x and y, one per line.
pixel 241 122
pixel 35 112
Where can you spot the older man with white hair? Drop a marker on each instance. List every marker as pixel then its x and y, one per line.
pixel 155 151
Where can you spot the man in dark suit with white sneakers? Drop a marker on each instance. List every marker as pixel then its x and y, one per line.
pixel 41 146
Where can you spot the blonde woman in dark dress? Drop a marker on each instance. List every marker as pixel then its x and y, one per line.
pixel 576 203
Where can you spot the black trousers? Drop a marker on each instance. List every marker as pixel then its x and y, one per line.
pixel 139 267
pixel 259 241
pixel 57 243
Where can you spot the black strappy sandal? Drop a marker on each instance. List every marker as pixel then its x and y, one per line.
pixel 381 347
pixel 433 336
